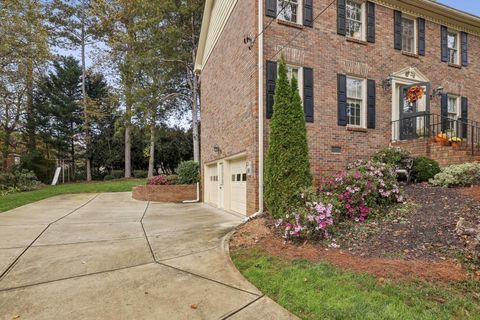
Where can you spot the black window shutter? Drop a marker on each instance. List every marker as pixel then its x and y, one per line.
pixel 371 22
pixel 308 105
pixel 444 112
pixel 464 39
pixel 464 117
pixel 444 43
pixel 271 8
pixel 271 82
pixel 421 36
pixel 397 19
pixel 342 99
pixel 371 101
pixel 308 13
pixel 341 18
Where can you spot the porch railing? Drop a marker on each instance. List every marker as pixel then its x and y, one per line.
pixel 429 125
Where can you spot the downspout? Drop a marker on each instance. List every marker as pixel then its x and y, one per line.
pixel 260 114
pixel 198 196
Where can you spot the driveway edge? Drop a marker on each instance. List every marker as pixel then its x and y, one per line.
pixel 226 247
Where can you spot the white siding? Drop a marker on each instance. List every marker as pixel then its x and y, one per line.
pixel 220 13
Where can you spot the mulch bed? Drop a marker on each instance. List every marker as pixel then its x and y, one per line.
pixel 426 232
pixel 418 243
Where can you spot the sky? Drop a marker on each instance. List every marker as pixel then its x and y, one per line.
pixel 470 6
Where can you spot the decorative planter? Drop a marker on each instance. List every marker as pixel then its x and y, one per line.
pixel 440 140
pixel 456 145
pixel 167 193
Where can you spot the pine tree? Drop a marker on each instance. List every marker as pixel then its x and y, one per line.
pixel 287 165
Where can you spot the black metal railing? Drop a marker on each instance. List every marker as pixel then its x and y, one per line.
pixel 430 125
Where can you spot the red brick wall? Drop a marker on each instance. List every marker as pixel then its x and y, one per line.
pixel 229 96
pixel 444 155
pixel 328 54
pixel 171 193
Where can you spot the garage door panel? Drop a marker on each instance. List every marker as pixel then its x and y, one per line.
pixel 238 186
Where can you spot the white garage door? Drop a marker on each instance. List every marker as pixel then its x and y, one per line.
pixel 211 185
pixel 238 186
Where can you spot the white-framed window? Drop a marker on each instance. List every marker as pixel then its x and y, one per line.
pixel 409 34
pixel 290 10
pixel 356 101
pixel 297 72
pixel 453 47
pixel 355 19
pixel 453 106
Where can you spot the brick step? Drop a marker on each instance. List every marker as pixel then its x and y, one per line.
pixel 444 155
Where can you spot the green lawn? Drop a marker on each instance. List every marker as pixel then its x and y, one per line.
pixel 320 291
pixel 15 200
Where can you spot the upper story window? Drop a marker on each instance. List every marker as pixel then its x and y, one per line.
pixel 453 44
pixel 409 34
pixel 297 72
pixel 453 107
pixel 290 10
pixel 355 19
pixel 355 101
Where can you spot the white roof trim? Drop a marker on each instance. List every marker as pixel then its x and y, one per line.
pixel 203 35
pixel 215 17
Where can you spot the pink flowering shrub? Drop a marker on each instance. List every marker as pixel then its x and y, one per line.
pixel 363 187
pixel 312 220
pixel 159 181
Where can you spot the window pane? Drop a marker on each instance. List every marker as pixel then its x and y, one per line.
pixel 354 88
pixel 354 109
pixel 408 35
pixel 354 21
pixel 452 104
pixel 292 71
pixel 452 40
pixel 288 10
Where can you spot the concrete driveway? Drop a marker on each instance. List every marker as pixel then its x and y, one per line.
pixel 106 256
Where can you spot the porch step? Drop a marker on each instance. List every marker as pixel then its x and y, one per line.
pixel 444 155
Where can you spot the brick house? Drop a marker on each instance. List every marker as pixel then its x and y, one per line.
pixel 357 62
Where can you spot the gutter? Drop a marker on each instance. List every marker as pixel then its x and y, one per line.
pixel 260 115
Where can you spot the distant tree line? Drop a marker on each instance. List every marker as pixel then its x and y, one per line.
pixel 55 107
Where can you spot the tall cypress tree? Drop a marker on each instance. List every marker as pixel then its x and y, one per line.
pixel 287 167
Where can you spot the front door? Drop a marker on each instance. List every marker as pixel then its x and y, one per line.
pixel 414 107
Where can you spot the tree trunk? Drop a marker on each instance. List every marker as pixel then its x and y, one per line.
pixel 31 141
pixel 128 128
pixel 151 160
pixel 196 138
pixel 85 106
pixel 72 152
pixel 128 149
pixel 5 150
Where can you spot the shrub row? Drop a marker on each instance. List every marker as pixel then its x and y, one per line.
pixel 466 174
pixel 19 180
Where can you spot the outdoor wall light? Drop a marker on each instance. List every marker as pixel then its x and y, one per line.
pixel 216 148
pixel 387 83
pixel 437 92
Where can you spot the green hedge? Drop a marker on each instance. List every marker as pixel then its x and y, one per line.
pixel 188 172
pixel 424 169
pixel 287 167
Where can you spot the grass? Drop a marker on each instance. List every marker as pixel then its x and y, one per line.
pixel 321 291
pixel 14 200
